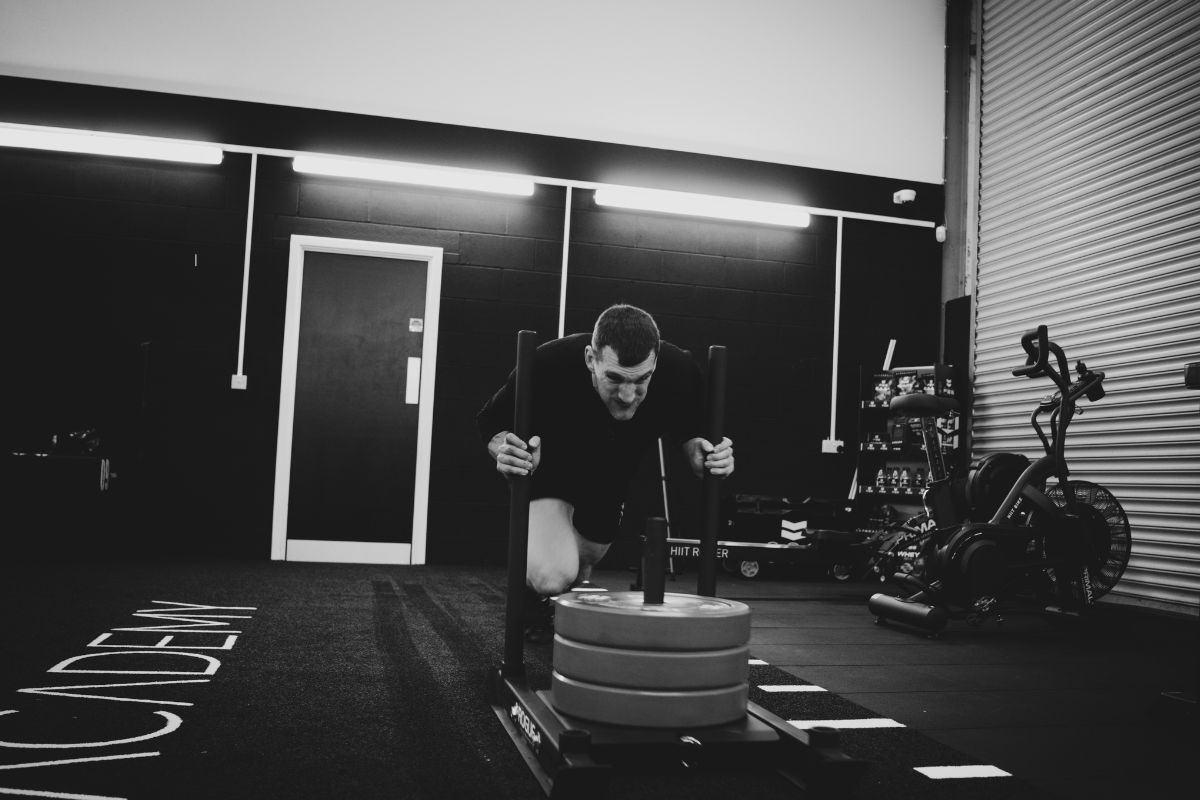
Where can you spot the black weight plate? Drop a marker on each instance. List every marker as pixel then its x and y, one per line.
pixel 651 669
pixel 681 622
pixel 641 708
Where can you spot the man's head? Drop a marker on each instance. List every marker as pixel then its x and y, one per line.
pixel 622 357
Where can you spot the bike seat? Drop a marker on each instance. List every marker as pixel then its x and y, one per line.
pixel 922 405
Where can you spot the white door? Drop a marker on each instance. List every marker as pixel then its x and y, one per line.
pixel 356 402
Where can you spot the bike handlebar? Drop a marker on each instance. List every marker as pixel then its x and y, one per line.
pixel 1035 359
pixel 1038 348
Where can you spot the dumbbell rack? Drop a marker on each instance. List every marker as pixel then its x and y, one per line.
pixel 574 758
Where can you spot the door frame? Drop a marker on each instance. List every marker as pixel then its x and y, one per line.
pixel 354 552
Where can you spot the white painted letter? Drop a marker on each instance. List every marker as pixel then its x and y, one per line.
pixel 165 644
pixel 173 723
pixel 185 607
pixel 59 691
pixel 213 664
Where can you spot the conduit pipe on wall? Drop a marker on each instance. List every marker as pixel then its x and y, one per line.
pixel 239 378
pixel 562 289
pixel 831 444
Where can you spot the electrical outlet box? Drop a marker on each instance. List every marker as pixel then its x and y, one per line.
pixel 832 446
pixel 238 382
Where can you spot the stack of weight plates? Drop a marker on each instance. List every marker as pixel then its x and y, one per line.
pixel 680 664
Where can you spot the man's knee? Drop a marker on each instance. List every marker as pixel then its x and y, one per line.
pixel 550 579
pixel 553 557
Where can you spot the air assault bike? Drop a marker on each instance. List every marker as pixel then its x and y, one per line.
pixel 1056 541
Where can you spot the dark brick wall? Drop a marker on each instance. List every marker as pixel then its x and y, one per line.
pixel 122 286
pixel 102 262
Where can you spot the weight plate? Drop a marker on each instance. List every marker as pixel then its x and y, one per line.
pixel 646 709
pixel 651 669
pixel 681 622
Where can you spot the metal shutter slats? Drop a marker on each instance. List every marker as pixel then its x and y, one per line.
pixel 1065 46
pixel 1158 271
pixel 1089 222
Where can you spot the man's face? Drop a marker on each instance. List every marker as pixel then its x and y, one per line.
pixel 621 388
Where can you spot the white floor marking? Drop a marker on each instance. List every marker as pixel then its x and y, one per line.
pixel 963 771
pixel 58 691
pixel 803 687
pixel 58 795
pixel 173 723
pixel 757 662
pixel 63 761
pixel 874 722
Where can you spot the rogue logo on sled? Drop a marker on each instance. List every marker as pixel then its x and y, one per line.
pixel 523 721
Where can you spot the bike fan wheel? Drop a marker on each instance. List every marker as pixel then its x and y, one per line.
pixel 1105 544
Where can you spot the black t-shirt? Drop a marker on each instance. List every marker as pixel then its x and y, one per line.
pixel 588 458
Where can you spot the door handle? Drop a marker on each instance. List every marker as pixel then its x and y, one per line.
pixel 412 393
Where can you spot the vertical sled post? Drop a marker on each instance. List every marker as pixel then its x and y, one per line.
pixel 654 562
pixel 513 664
pixel 706 583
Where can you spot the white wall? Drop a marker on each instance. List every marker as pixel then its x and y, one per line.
pixel 848 85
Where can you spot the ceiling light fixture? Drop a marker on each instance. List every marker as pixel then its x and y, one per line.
pixel 400 172
pixel 703 205
pixel 110 144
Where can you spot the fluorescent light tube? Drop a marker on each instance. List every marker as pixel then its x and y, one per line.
pixel 107 144
pixel 400 172
pixel 702 205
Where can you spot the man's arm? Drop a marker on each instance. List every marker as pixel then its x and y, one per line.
pixel 688 417
pixel 497 413
pixel 512 455
pixel 703 456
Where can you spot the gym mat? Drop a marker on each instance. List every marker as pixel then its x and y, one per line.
pixel 283 680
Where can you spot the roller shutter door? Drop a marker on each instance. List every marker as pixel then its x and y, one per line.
pixel 1089 223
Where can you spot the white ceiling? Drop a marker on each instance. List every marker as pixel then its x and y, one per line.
pixel 847 85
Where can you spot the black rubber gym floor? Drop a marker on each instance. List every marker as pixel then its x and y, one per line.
pixel 274 680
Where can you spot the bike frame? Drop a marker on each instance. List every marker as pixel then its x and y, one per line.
pixel 1054 464
pixel 1029 486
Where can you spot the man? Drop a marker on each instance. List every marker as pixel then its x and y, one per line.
pixel 593 415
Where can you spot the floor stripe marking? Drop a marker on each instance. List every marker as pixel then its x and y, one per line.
pixel 806 687
pixel 874 722
pixel 963 771
pixel 57 795
pixel 757 662
pixel 63 761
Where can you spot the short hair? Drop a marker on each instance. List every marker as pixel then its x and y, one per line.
pixel 631 332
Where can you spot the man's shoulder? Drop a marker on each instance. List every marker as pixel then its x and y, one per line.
pixel 565 350
pixel 676 358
